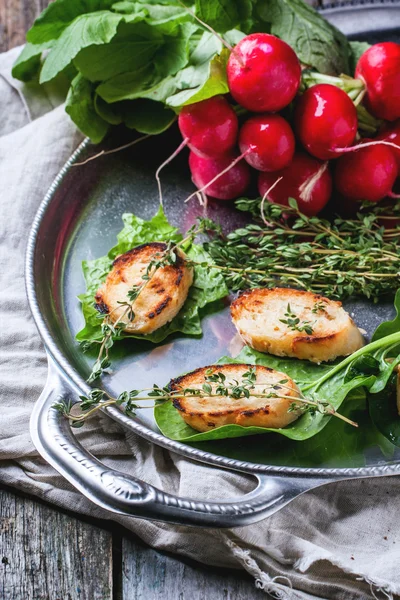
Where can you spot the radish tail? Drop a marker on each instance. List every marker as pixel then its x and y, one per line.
pixel 164 164
pixel 366 145
pixel 307 187
pixel 228 168
pixel 104 152
pixel 264 198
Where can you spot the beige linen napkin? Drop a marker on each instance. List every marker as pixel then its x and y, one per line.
pixel 340 541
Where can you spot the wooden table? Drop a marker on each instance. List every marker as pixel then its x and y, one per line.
pixel 50 554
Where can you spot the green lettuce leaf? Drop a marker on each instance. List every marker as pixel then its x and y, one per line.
pixel 206 289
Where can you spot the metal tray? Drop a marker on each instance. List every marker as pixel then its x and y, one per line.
pixel 78 219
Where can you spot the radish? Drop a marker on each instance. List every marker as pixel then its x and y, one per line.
pixel 210 127
pixel 224 178
pixel 391 133
pixel 306 179
pixel 325 120
pixel 368 174
pixel 263 73
pixel 379 69
pixel 267 142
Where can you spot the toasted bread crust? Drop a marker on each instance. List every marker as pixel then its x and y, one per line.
pixel 206 413
pixel 258 314
pixel 160 300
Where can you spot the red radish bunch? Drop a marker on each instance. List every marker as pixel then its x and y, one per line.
pixel 210 127
pixel 306 179
pixel 263 73
pixel 325 120
pixel 264 77
pixel 379 69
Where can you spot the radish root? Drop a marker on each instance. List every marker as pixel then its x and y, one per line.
pixel 164 164
pixel 228 168
pixel 366 145
pixel 307 187
pixel 264 198
pixel 104 152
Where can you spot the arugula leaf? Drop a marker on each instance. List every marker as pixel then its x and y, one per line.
pixel 389 327
pixel 316 42
pixel 383 412
pixel 27 65
pixel 80 107
pixel 206 289
pixel 382 403
pixel 94 28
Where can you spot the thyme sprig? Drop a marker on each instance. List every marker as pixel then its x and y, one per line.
pixel 215 386
pixel 293 322
pixel 342 258
pixel 113 329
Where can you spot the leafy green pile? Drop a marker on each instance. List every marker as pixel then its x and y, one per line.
pixel 138 61
pixel 368 368
pixel 208 287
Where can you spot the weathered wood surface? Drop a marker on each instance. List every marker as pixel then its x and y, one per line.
pixel 149 575
pixel 16 16
pixel 48 555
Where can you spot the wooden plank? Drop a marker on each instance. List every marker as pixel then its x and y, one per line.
pixel 16 17
pixel 48 555
pixel 149 575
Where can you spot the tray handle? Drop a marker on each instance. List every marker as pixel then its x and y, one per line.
pixel 124 494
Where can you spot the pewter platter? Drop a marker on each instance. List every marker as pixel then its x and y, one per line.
pixel 79 219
